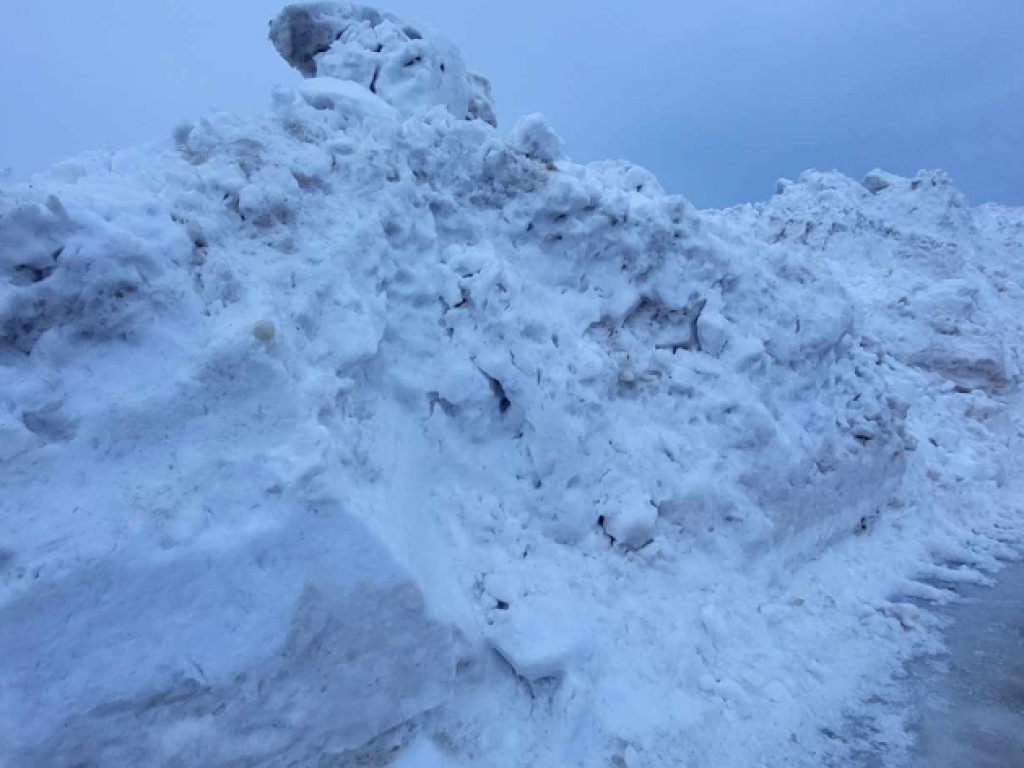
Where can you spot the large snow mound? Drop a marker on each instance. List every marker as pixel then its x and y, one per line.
pixel 358 419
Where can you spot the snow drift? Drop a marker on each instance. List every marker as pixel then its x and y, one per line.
pixel 359 418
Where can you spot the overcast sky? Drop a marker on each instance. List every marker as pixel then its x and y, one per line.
pixel 719 98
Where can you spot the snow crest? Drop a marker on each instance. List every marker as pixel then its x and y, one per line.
pixel 408 66
pixel 358 422
pixel 911 247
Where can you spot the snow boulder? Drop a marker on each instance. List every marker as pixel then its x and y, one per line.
pixel 410 66
pixel 630 522
pixel 533 137
pixel 877 180
pixel 299 642
pixel 539 641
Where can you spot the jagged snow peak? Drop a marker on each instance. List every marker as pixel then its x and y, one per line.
pixel 411 67
pixel 358 430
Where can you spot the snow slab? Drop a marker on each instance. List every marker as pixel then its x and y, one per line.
pixel 358 432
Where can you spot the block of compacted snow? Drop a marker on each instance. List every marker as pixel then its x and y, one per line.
pixel 537 637
pixel 877 180
pixel 631 522
pixel 533 137
pixel 409 66
pixel 345 96
pixel 948 328
pixel 304 641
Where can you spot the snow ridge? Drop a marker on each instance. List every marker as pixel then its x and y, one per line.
pixel 357 431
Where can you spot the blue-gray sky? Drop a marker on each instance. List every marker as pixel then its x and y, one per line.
pixel 719 98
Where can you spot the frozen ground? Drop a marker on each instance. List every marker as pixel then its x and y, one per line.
pixel 366 430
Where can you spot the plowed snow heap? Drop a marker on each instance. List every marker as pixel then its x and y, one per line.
pixel 321 425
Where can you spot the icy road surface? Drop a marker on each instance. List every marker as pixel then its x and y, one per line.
pixel 971 699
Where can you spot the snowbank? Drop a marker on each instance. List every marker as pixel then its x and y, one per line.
pixel 359 419
pixel 914 252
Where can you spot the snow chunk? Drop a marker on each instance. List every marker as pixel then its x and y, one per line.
pixel 631 522
pixel 311 627
pixel 409 66
pixel 538 639
pixel 533 137
pixel 344 95
pixel 877 180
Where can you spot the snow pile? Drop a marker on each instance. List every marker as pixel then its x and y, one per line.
pixel 358 422
pixel 913 249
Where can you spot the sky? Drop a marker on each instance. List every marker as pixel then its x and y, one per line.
pixel 719 98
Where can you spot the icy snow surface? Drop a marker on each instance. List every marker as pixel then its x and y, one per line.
pixel 360 433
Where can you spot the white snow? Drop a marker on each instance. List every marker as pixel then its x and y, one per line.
pixel 532 136
pixel 410 66
pixel 358 431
